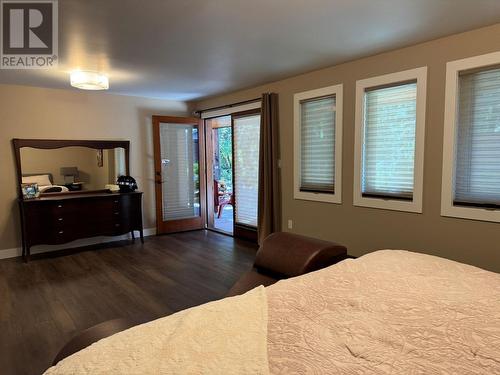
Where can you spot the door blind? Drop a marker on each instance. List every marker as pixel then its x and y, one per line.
pixel 179 171
pixel 317 144
pixel 477 164
pixel 246 135
pixel 389 141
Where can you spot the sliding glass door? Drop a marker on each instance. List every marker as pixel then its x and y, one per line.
pixel 233 173
pixel 220 192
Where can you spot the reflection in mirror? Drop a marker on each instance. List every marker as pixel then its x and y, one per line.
pixel 71 168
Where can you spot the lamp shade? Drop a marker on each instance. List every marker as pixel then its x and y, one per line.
pixel 89 80
pixel 69 171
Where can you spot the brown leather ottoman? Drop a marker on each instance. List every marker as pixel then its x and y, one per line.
pixel 91 335
pixel 283 255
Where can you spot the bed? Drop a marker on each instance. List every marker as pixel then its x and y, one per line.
pixel 388 312
pixel 45 182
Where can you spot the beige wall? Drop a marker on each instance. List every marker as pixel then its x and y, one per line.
pixel 366 229
pixel 28 112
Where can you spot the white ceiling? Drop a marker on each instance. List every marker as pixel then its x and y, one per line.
pixel 188 49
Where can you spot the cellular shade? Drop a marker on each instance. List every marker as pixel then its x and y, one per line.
pixel 389 141
pixel 317 144
pixel 246 135
pixel 477 163
pixel 180 171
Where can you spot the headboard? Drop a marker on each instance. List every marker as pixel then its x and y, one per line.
pixel 51 178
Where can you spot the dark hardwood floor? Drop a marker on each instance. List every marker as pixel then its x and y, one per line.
pixel 47 301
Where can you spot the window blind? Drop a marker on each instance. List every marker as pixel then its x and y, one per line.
pixel 246 133
pixel 179 170
pixel 317 144
pixel 477 163
pixel 389 141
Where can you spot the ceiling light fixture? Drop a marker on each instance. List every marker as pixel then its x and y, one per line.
pixel 89 80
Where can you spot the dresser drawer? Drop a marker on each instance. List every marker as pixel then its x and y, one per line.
pixel 57 221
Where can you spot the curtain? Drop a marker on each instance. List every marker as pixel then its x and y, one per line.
pixel 269 202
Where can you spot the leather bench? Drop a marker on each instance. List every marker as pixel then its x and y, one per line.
pixel 283 255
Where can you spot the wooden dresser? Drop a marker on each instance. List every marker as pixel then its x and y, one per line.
pixel 61 218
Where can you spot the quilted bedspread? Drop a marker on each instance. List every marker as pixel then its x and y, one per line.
pixel 388 312
pixel 222 337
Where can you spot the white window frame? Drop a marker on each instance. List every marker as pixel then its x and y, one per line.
pixel 453 69
pixel 336 197
pixel 230 110
pixel 415 205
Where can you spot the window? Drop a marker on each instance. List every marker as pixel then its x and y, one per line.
pixel 389 143
pixel 318 144
pixel 471 148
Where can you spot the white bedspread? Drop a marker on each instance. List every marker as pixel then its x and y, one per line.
pixel 388 312
pixel 221 337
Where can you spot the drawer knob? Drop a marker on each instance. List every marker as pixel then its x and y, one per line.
pixel 60 219
pixel 59 206
pixel 61 232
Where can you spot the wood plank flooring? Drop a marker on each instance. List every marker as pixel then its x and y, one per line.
pixel 47 301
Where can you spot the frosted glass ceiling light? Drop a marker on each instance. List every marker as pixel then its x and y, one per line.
pixel 88 80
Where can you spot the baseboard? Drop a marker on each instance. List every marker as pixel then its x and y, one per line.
pixel 17 252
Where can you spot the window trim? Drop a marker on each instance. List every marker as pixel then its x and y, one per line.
pixel 233 109
pixel 415 205
pixel 336 197
pixel 453 70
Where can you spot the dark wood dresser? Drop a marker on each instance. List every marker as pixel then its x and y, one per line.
pixel 61 218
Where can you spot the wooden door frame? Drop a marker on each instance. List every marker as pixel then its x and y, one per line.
pixel 209 172
pixel 181 224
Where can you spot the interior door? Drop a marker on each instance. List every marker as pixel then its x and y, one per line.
pixel 179 160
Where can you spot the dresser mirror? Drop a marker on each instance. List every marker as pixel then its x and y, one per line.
pixel 66 166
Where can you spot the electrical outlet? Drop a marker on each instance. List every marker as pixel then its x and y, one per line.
pixel 290 224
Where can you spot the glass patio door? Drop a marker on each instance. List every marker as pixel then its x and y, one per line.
pixel 233 173
pixel 220 193
pixel 179 167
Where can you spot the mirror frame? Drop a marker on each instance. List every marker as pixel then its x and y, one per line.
pixel 50 144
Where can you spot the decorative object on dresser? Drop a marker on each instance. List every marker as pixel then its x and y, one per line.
pixel 88 210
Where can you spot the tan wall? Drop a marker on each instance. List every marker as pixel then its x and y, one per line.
pixel 366 229
pixel 28 112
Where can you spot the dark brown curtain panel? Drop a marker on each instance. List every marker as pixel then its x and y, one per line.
pixel 269 210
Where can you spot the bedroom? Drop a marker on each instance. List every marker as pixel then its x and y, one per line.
pixel 158 64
